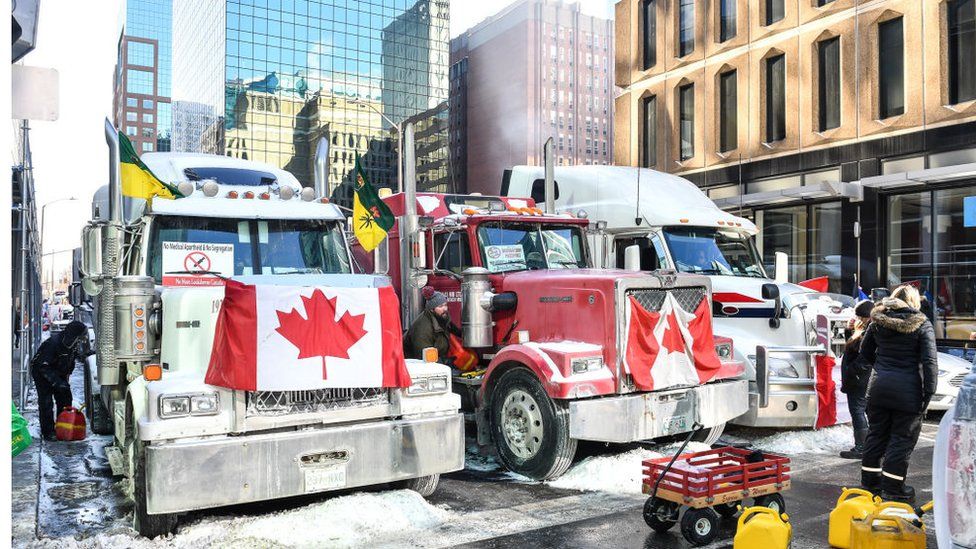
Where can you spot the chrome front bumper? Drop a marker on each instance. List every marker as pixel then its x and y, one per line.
pixel 782 401
pixel 643 416
pixel 183 476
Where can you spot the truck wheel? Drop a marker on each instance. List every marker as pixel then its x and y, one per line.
pixel 147 525
pixel 530 430
pixel 424 486
pixel 98 417
pixel 710 435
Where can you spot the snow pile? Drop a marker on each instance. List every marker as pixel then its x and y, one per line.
pixel 478 458
pixel 617 473
pixel 362 519
pixel 829 440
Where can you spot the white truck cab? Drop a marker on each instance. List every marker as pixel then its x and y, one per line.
pixel 777 327
pixel 188 445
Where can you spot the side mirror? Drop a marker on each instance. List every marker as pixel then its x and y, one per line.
pixel 781 267
pixel 771 291
pixel 632 258
pixel 91 258
pixel 74 294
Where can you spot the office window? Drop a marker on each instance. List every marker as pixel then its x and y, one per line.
pixel 774 11
pixel 829 85
pixel 131 102
pixel 147 103
pixel 726 20
pixel 131 116
pixel 775 98
pixel 650 131
pixel 891 68
pixel 962 50
pixel 147 147
pixel 686 27
pixel 649 8
pixel 147 118
pixel 686 108
pixel 131 130
pixel 728 114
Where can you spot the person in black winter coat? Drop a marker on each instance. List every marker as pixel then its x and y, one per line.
pixel 854 373
pixel 432 328
pixel 51 368
pixel 900 343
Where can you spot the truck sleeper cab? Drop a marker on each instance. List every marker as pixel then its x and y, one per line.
pixel 188 445
pixel 778 328
pixel 550 331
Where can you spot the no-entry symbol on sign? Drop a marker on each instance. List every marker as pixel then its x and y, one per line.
pixel 196 263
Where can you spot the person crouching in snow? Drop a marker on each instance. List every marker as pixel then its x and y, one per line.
pixel 854 372
pixel 900 343
pixel 432 328
pixel 51 369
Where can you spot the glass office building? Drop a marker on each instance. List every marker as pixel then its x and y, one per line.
pixel 143 75
pixel 267 80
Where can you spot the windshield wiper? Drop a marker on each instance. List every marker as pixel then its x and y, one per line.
pixel 565 262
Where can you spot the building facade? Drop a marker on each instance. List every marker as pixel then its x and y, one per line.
pixel 267 80
pixel 846 129
pixel 141 102
pixel 537 69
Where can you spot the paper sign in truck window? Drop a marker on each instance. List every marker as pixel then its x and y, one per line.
pixel 196 263
pixel 508 257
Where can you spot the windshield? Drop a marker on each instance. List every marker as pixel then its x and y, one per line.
pixel 713 252
pixel 283 246
pixel 509 246
pixel 231 176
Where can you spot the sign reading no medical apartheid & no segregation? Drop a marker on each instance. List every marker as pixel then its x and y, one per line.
pixel 196 263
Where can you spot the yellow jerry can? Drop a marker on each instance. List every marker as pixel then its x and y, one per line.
pixel 893 525
pixel 762 528
pixel 853 503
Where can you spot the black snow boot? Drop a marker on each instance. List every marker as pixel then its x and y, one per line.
pixel 857 452
pixel 871 481
pixel 896 490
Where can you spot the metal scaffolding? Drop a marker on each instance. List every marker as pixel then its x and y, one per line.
pixel 26 266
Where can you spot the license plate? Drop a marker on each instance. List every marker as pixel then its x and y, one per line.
pixel 676 425
pixel 318 479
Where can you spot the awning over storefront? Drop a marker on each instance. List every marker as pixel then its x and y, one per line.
pixel 921 177
pixel 824 189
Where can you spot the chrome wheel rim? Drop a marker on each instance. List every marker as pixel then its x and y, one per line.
pixel 522 424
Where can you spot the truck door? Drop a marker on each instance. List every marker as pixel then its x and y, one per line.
pixel 452 253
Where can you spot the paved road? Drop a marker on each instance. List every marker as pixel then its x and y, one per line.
pixel 68 487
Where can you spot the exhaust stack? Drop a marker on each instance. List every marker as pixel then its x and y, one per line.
pixel 114 175
pixel 547 153
pixel 412 252
pixel 321 184
pixel 111 236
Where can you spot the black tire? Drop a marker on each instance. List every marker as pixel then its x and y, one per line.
pixel 537 444
pixel 773 501
pixel 661 515
pixel 99 419
pixel 699 526
pixel 709 435
pixel 425 486
pixel 149 526
pixel 727 510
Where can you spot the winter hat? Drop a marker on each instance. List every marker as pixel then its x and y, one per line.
pixel 863 308
pixel 73 331
pixel 434 298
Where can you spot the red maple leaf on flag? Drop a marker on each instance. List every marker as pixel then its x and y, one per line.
pixel 320 334
pixel 672 339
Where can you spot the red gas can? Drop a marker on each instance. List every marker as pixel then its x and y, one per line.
pixel 70 424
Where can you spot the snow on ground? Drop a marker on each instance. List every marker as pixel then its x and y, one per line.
pixel 829 440
pixel 362 519
pixel 616 473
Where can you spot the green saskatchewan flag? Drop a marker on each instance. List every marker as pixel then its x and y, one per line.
pixel 138 181
pixel 372 218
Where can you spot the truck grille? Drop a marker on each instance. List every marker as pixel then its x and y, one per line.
pixel 276 403
pixel 652 299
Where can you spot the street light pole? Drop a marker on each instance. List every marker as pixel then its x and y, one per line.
pixel 44 211
pixel 399 131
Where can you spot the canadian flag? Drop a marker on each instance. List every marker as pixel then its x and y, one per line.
pixel 671 347
pixel 285 338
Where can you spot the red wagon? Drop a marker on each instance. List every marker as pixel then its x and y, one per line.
pixel 709 484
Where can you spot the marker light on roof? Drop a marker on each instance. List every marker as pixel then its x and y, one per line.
pixel 210 188
pixel 265 196
pixel 308 194
pixel 324 200
pixel 249 195
pixel 469 211
pixel 384 192
pixel 683 220
pixel 581 213
pixel 232 194
pixel 286 193
pixel 186 188
pixel 720 222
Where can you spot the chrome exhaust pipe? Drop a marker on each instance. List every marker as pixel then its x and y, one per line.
pixel 114 174
pixel 410 293
pixel 321 184
pixel 547 153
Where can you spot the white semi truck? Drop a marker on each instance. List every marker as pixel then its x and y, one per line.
pixel 777 328
pixel 187 445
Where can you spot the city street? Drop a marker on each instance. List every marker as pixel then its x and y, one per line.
pixel 64 496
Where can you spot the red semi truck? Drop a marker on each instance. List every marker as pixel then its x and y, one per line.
pixel 551 334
